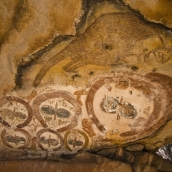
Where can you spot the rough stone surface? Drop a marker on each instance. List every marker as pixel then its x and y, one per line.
pixel 135 147
pixel 158 11
pixel 83 76
pixel 44 166
pixel 89 162
pixel 31 26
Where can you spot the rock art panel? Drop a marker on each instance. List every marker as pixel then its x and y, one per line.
pixel 76 140
pixel 110 40
pixel 129 106
pixel 18 138
pixel 105 79
pixel 15 112
pixel 48 139
pixel 113 109
pixel 58 110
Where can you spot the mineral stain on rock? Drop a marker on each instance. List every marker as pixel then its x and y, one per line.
pixel 15 139
pixel 112 105
pixel 60 112
pixel 20 115
pixel 48 110
pixel 75 142
pixel 109 104
pixel 49 141
pixel 127 110
pixel 10 114
pixel 63 113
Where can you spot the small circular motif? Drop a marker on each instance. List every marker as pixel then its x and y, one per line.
pixel 57 110
pixel 15 112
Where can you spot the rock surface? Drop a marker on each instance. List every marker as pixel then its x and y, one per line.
pixel 31 26
pixel 158 11
pixel 142 162
pixel 135 147
pixel 83 75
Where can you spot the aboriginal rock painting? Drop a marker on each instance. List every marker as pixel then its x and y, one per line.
pixel 110 40
pixel 116 108
pixel 18 138
pixel 49 140
pixel 14 112
pixel 76 140
pixel 113 105
pixel 124 106
pixel 59 110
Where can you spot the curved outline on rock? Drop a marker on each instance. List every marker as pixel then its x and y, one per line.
pixel 81 133
pixel 154 80
pixel 26 133
pixel 6 99
pixel 51 131
pixel 55 94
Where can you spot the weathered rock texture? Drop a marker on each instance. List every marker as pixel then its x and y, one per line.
pixel 32 26
pixel 82 75
pixel 114 159
pixel 158 11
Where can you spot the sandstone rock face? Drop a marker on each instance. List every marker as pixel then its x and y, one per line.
pixel 31 26
pixel 103 115
pixel 135 147
pixel 120 161
pixel 82 76
pixel 158 11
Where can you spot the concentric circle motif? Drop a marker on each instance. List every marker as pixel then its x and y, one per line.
pixel 58 110
pixel 127 106
pixel 15 112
